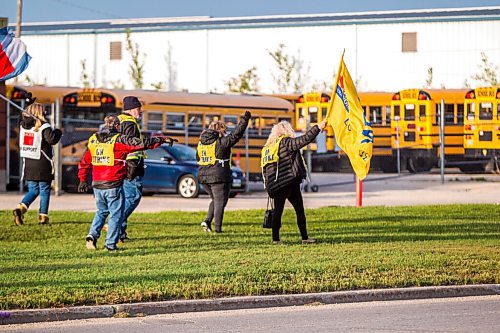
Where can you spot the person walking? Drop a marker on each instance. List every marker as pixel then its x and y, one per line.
pixel 133 183
pixel 214 160
pixel 36 139
pixel 106 154
pixel 284 170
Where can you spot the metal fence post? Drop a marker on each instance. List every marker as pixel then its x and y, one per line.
pixel 307 187
pixel 441 139
pixel 398 154
pixel 7 146
pixel 57 152
pixel 21 162
pixel 247 162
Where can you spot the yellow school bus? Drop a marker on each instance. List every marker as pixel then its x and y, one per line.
pixel 180 115
pixel 482 129
pixel 376 106
pixel 47 96
pixel 414 127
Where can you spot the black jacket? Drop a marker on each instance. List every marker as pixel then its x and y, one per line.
pixel 211 174
pixel 40 170
pixel 134 167
pixel 291 166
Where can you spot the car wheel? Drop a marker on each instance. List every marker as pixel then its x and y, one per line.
pixel 188 187
pixel 233 194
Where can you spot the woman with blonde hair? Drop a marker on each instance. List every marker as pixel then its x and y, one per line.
pixel 214 173
pixel 284 170
pixel 36 139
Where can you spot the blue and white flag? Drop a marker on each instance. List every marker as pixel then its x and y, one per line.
pixel 13 56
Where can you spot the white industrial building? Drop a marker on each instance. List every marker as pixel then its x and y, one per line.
pixel 387 51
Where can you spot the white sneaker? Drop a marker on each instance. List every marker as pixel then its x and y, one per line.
pixel 206 227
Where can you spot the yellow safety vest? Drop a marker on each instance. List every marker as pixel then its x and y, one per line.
pixel 206 155
pixel 270 153
pixel 102 152
pixel 138 154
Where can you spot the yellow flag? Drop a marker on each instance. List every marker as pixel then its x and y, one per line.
pixel 353 132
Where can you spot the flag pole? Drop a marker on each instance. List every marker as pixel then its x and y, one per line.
pixel 335 87
pixel 359 192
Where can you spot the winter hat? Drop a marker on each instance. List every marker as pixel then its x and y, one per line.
pixel 131 102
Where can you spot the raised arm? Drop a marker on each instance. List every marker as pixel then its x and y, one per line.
pixel 300 142
pixel 237 133
pixel 52 136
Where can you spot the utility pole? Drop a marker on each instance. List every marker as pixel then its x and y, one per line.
pixel 19 16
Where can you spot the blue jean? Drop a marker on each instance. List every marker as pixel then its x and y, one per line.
pixel 36 188
pixel 110 203
pixel 133 195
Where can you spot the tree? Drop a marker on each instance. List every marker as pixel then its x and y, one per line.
pixel 136 67
pixel 160 85
pixel 84 77
pixel 430 77
pixel 245 83
pixel 286 65
pixel 171 84
pixel 292 74
pixel 488 72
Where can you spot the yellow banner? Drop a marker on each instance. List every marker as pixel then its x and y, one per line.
pixel 353 132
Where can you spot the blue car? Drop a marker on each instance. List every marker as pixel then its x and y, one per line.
pixel 175 170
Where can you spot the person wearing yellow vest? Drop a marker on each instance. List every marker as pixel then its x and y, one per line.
pixel 284 170
pixel 106 154
pixel 36 139
pixel 214 172
pixel 132 185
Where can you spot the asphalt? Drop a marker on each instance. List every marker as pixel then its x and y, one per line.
pixel 246 302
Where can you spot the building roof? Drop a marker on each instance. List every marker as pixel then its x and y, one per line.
pixel 206 22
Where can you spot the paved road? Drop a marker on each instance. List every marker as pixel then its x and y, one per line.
pixel 468 314
pixel 335 190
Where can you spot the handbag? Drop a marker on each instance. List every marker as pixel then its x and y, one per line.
pixel 269 214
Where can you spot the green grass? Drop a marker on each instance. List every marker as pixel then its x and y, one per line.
pixel 169 257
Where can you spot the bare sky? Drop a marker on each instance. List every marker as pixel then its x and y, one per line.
pixel 64 10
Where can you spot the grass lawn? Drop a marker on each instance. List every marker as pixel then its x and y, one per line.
pixel 170 257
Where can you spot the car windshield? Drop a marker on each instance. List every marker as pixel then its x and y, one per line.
pixel 182 153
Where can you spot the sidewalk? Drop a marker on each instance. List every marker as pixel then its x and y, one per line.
pixel 334 190
pixel 246 302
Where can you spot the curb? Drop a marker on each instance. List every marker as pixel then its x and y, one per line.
pixel 244 302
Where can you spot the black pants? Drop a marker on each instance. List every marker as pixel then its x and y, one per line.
pixel 293 194
pixel 219 193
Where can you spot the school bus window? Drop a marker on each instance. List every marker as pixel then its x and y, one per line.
pixel 498 111
pixel 155 121
pixel 48 111
pixel 313 113
pixel 471 111
pixel 396 110
pixel 284 119
pixel 195 123
pixel 449 113
pixel 253 126
pixel 230 121
pixel 486 111
pixel 266 124
pixel 175 121
pixel 211 117
pixel 410 112
pixel 460 113
pixel 387 115
pixel 323 113
pixel 82 118
pixel 376 114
